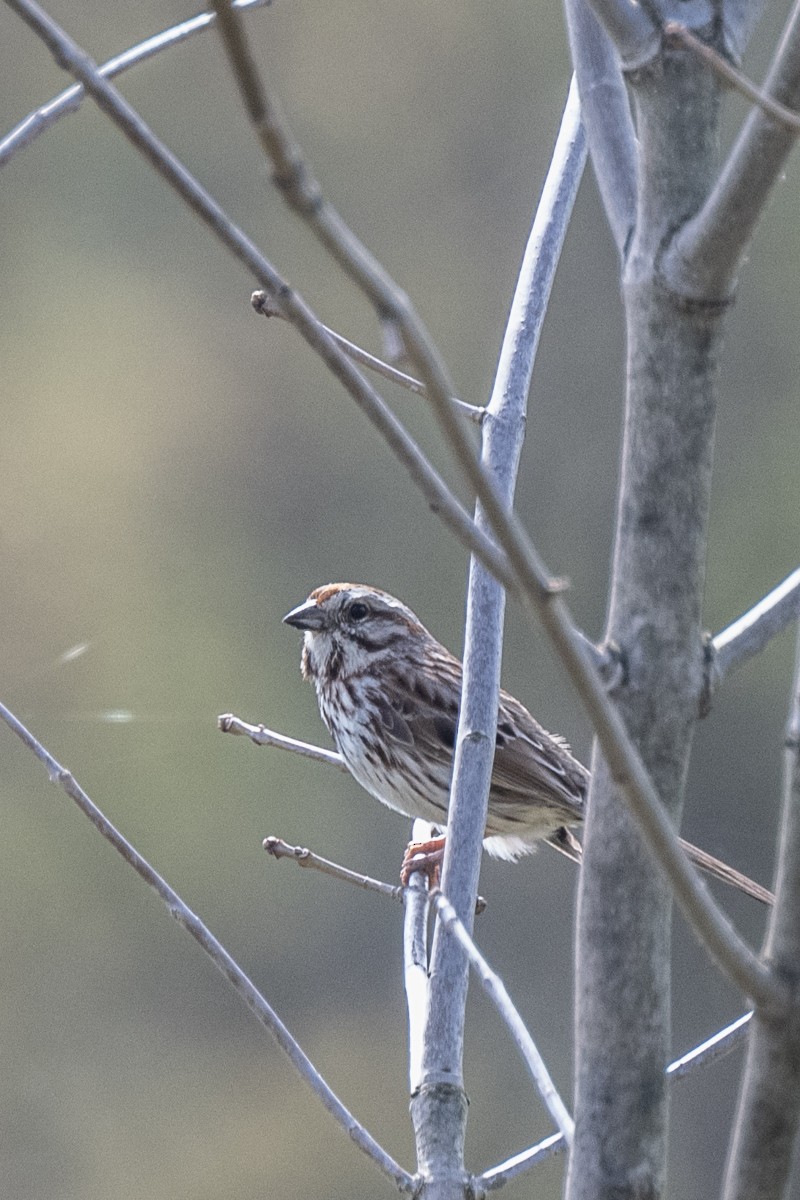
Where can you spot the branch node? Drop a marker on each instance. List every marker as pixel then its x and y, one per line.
pixel 711 676
pixel 612 664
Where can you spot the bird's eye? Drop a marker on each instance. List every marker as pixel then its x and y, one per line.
pixel 357 611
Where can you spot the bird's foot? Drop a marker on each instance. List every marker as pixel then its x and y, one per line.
pixel 423 856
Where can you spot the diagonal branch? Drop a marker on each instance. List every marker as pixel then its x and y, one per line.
pixel 70 100
pixel 710 1051
pixel 705 254
pixel 748 635
pixel 768 1114
pixel 240 982
pixel 295 179
pixel 496 991
pixel 263 303
pixel 606 115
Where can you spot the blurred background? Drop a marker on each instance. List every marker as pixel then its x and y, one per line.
pixel 177 473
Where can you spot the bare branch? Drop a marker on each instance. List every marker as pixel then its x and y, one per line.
pixel 240 982
pixel 503 435
pixel 304 857
pixel 606 116
pixel 70 100
pixel 705 254
pixel 769 1104
pixel 415 962
pixel 748 635
pixel 716 1047
pixel 263 303
pixel 496 991
pixel 262 736
pixel 277 848
pixel 682 36
pixel 295 179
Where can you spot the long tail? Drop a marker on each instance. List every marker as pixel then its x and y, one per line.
pixel 566 843
pixel 720 870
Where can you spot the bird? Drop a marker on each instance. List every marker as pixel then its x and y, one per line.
pixel 389 693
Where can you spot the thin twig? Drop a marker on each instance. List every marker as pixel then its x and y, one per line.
pixel 415 962
pixel 714 1048
pixel 677 32
pixel 278 848
pixel 70 100
pixel 263 303
pixel 768 1111
pixel 717 1046
pixel 302 191
pixel 751 632
pixel 496 991
pixel 262 736
pixel 706 253
pixel 240 982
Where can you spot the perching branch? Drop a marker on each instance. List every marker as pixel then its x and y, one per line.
pixel 503 433
pixel 70 100
pixel 240 982
pixel 277 848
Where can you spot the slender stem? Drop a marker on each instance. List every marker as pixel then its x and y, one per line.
pixel 415 962
pixel 768 1114
pixel 263 303
pixel 70 100
pixel 278 848
pixel 262 736
pixel 503 435
pixel 714 1048
pixel 750 633
pixel 496 991
pixel 606 114
pixel 240 982
pixel 737 79
pixel 705 254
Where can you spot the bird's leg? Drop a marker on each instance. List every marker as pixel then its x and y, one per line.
pixel 423 856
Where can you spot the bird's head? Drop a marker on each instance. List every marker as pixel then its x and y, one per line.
pixel 348 627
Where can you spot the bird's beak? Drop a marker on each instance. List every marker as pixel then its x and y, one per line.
pixel 307 615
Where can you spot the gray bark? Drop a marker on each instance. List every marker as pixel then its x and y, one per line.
pixel 623 944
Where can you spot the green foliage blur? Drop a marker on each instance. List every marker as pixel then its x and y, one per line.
pixel 177 473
